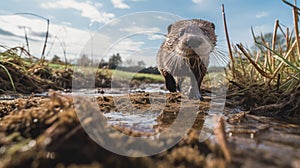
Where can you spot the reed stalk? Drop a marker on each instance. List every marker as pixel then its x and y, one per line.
pixel 228 43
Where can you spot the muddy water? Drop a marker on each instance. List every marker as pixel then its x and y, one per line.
pixel 144 122
pixel 48 126
pixel 254 141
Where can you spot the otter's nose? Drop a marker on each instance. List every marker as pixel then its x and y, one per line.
pixel 194 42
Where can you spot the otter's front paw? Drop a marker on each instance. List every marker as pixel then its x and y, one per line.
pixel 170 82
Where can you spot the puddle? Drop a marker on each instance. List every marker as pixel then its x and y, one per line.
pixel 140 122
pixel 9 97
pixel 149 88
pixel 254 141
pixel 24 96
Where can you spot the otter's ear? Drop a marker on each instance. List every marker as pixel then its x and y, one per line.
pixel 213 26
pixel 169 28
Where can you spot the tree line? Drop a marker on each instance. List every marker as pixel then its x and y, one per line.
pixel 116 62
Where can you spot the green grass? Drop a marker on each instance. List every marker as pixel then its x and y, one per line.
pixel 57 66
pixel 10 78
pixel 122 75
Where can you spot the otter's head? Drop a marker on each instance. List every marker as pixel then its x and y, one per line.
pixel 192 38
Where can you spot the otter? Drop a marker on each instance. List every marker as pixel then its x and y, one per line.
pixel 185 53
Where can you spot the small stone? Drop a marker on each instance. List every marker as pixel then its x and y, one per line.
pixel 35 120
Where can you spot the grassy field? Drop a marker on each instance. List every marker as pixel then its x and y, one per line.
pixel 148 78
pixel 118 74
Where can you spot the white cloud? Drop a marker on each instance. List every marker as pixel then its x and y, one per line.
pixel 120 4
pixel 198 1
pixel 204 5
pixel 137 29
pixel 151 32
pixel 262 29
pixel 126 47
pixel 73 38
pixel 261 15
pixel 77 41
pixel 156 37
pixel 88 9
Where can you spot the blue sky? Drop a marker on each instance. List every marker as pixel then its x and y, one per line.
pixel 72 21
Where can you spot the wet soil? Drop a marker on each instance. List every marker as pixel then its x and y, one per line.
pixel 262 100
pixel 45 131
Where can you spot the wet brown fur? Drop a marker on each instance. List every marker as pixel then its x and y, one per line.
pixel 197 64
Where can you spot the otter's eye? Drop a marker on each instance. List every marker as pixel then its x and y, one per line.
pixel 181 33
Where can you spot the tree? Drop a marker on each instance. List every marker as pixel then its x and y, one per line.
pixel 84 60
pixel 268 38
pixel 114 61
pixel 141 64
pixel 56 59
pixel 102 64
pixel 129 63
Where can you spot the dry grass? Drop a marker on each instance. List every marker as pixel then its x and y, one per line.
pixel 273 64
pixel 266 78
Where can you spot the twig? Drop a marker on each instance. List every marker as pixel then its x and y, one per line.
pixel 46 40
pixel 283 59
pixel 275 34
pixel 263 73
pixel 63 46
pixel 238 85
pixel 282 63
pixel 280 28
pixel 47 32
pixel 296 27
pixel 228 42
pixel 26 38
pixel 278 83
pixel 221 138
pixel 291 5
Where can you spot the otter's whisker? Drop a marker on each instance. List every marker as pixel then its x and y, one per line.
pixel 220 57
